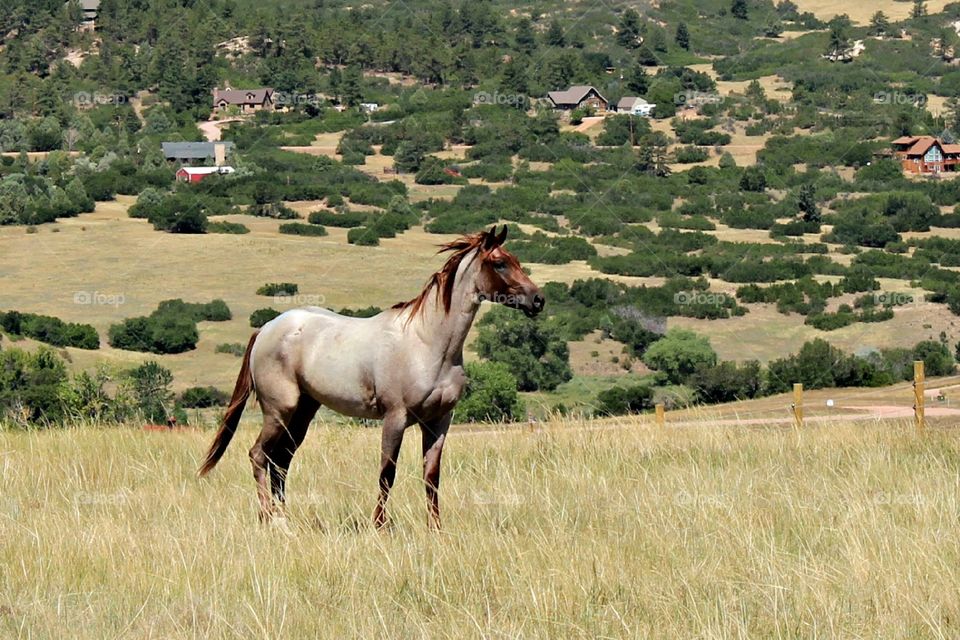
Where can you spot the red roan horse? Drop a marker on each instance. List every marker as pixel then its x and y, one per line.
pixel 404 366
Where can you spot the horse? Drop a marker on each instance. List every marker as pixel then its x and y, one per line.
pixel 403 366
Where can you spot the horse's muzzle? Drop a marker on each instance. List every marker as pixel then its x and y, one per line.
pixel 535 305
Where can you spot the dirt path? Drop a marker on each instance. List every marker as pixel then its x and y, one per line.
pixel 211 128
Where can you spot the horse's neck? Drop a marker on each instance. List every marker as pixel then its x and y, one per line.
pixel 447 332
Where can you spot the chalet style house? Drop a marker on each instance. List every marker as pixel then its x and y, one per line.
pixel 926 154
pixel 635 106
pixel 578 97
pixel 245 100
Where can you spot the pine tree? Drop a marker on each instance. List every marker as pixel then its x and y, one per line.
pixel 879 24
pixel 682 37
pixel 739 9
pixel 554 37
pixel 638 82
pixel 628 31
pixel 526 39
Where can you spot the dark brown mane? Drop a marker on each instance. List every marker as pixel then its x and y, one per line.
pixel 443 280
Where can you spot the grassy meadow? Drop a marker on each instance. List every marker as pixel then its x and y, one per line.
pixel 578 530
pixel 127 268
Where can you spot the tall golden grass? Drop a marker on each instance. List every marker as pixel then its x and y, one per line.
pixel 615 529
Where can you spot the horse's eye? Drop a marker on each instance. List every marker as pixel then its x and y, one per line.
pixel 499 265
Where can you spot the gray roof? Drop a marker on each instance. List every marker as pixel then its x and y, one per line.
pixel 90 5
pixel 628 103
pixel 192 150
pixel 242 96
pixel 573 95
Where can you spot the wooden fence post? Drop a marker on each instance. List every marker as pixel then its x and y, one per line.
pixel 798 404
pixel 918 389
pixel 661 415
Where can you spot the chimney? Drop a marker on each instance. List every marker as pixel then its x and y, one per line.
pixel 219 154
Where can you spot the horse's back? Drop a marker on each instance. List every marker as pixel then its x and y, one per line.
pixel 330 356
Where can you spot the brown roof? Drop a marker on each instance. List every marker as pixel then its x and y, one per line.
pixel 573 95
pixel 921 146
pixel 905 140
pixel 242 96
pixel 951 148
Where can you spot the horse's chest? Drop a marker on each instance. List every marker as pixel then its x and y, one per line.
pixel 445 393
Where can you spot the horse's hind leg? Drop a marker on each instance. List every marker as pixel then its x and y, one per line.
pixel 281 452
pixel 278 411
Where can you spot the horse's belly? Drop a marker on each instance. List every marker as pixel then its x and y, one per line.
pixel 342 386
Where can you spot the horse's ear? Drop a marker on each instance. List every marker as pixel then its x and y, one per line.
pixel 490 239
pixel 502 237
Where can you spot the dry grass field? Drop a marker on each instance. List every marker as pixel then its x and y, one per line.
pixel 613 529
pixel 861 12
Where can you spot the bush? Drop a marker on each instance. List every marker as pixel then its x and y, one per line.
pixel 155 334
pixel 347 219
pixel 50 330
pixel 688 155
pixel 223 226
pixel 203 398
pixel 624 400
pixel 679 354
pixel 490 394
pixel 366 312
pixel 937 359
pixel 726 382
pixel 233 348
pixel 261 317
pixel 278 289
pixel 534 351
pixel 172 328
pixel 301 229
pixel 363 236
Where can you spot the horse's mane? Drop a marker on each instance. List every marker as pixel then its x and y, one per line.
pixel 442 281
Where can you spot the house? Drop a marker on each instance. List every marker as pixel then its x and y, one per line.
pixel 196 174
pixel 635 107
pixel 926 154
pixel 90 9
pixel 578 97
pixel 370 107
pixel 197 152
pixel 245 100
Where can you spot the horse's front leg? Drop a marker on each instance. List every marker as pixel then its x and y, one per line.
pixel 434 435
pixel 394 424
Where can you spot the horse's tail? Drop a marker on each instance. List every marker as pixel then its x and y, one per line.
pixel 231 418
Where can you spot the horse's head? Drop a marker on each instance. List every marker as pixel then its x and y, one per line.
pixel 502 279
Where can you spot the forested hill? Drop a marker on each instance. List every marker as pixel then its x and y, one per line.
pixel 171 46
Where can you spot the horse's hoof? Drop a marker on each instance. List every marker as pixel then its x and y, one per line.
pixel 282 525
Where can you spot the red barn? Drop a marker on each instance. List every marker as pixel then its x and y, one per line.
pixel 196 174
